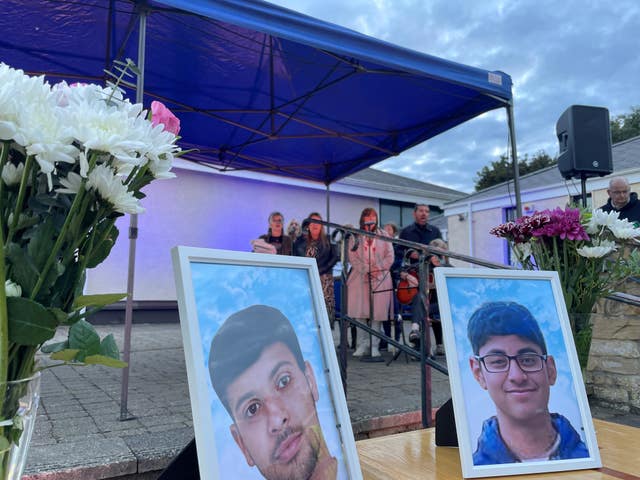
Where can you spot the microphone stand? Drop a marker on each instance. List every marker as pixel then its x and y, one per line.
pixel 370 358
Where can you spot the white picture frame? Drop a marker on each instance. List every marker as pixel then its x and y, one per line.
pixel 213 285
pixel 461 293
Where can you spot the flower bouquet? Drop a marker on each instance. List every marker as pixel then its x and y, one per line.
pixel 585 248
pixel 73 159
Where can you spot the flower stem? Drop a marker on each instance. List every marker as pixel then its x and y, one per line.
pixel 4 321
pixel 21 194
pixel 59 241
pixel 4 315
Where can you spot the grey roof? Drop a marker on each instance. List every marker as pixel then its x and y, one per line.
pixel 626 155
pixel 373 178
pixel 439 221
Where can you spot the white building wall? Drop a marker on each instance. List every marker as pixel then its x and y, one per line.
pixel 458 237
pixel 207 210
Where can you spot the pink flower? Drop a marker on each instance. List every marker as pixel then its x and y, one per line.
pixel 564 224
pixel 161 114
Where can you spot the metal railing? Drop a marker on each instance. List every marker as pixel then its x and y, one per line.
pixel 341 235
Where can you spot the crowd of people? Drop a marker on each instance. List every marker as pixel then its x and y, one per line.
pixel 376 271
pixel 382 281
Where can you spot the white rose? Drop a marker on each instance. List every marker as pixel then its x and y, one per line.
pixel 12 289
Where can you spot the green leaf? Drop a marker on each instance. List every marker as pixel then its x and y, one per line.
pixel 4 444
pixel 99 301
pixel 109 348
pixel 26 221
pixel 61 315
pixel 101 251
pixel 66 355
pixel 106 361
pixel 16 433
pixel 29 322
pixel 83 336
pixel 54 347
pixel 43 237
pixel 23 271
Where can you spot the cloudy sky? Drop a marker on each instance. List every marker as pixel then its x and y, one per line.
pixel 558 54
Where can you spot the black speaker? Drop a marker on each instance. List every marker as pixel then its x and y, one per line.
pixel 584 135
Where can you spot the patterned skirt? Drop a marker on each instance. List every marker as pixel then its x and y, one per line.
pixel 329 297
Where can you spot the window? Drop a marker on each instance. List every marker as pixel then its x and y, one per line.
pixel 401 213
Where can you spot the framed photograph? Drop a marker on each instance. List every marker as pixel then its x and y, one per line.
pixel 264 381
pixel 518 395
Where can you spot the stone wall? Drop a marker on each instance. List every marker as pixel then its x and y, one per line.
pixel 613 372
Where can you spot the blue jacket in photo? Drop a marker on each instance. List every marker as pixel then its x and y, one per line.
pixel 491 449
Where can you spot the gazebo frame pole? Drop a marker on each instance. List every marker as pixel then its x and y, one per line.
pixel 514 158
pixel 133 236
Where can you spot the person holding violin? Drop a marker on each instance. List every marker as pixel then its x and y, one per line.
pixel 419 232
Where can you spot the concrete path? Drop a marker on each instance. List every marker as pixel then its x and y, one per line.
pixel 79 434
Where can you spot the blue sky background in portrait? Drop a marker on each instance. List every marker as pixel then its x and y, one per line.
pixel 221 290
pixel 466 294
pixel 557 53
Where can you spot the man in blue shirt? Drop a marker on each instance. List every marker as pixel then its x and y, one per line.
pixel 510 361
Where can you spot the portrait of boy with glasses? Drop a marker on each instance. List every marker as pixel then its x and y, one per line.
pixel 510 361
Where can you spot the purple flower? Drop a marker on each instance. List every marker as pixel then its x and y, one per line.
pixel 564 224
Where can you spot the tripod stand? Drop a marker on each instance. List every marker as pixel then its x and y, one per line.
pixel 371 357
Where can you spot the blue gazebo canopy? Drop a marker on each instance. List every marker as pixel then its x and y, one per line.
pixel 257 87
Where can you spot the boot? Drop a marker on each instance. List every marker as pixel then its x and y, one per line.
pixel 362 341
pixel 375 341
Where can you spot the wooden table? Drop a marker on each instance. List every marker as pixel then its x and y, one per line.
pixel 414 455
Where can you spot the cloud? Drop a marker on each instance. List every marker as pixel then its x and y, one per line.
pixel 558 54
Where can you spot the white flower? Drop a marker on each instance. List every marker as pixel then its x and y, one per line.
pixel 110 188
pixel 160 148
pixel 12 289
pixel 11 175
pixel 72 184
pixel 605 247
pixel 624 229
pixel 105 122
pixel 18 93
pixel 600 219
pixel 29 117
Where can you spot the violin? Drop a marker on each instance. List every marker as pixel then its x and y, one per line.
pixel 407 288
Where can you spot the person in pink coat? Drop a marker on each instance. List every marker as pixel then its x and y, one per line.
pixel 370 264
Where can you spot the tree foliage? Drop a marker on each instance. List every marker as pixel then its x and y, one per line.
pixel 625 126
pixel 501 170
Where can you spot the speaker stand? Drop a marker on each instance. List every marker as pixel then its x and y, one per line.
pixel 583 184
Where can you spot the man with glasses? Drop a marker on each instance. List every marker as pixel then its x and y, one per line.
pixel 623 200
pixel 511 362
